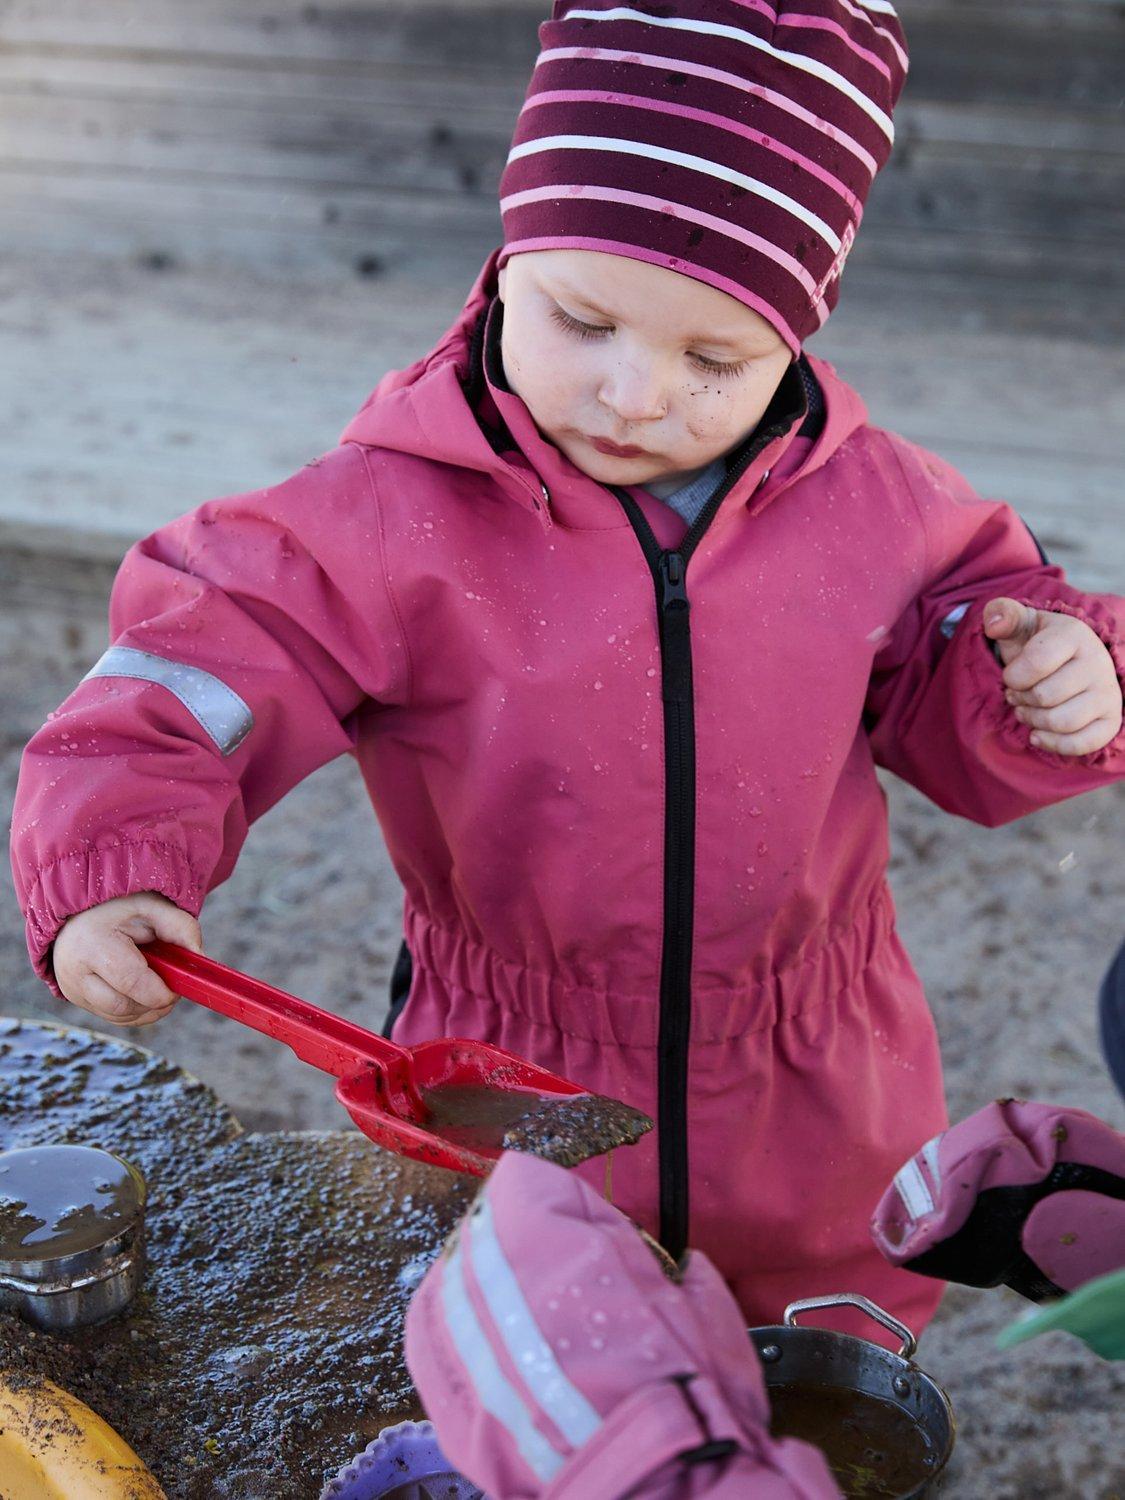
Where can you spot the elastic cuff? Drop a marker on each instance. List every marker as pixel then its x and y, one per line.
pixel 987 673
pixel 1111 640
pixel 88 877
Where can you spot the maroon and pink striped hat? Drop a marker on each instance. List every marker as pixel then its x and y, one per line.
pixel 734 141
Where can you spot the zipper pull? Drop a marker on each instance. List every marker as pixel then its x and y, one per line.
pixel 672 577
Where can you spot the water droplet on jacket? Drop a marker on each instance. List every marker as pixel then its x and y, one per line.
pixel 651 672
pixel 597 687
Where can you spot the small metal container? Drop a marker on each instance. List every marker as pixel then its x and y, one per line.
pixel 812 1358
pixel 71 1234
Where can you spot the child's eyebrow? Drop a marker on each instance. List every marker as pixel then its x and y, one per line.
pixel 718 342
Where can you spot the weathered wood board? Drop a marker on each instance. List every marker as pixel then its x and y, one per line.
pixel 223 222
pixel 295 136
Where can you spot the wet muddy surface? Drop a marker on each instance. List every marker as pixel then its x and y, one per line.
pixel 569 1131
pixel 263 1350
pixel 565 1130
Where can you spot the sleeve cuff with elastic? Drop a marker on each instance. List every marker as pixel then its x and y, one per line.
pixel 986 675
pixel 86 877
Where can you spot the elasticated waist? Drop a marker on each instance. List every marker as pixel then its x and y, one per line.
pixel 466 970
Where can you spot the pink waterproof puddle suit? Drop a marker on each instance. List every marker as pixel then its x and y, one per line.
pixel 627 777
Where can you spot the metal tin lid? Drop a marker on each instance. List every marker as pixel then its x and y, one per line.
pixel 62 1202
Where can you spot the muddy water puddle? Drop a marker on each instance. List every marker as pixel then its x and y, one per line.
pixel 876 1450
pixel 566 1130
pixel 264 1347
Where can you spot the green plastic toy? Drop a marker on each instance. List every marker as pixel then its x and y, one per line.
pixel 1095 1313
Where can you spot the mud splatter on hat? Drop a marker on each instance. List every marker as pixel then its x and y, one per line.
pixel 734 141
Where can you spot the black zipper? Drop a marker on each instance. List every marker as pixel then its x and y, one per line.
pixel 793 401
pixel 669 572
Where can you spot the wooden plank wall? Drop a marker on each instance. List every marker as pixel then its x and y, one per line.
pixel 311 139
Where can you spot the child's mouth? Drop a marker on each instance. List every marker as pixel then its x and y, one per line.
pixel 612 449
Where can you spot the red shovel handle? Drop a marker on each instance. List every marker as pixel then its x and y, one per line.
pixel 317 1036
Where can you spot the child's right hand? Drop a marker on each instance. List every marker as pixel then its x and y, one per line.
pixel 99 967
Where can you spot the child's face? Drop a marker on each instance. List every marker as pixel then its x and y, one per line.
pixel 657 361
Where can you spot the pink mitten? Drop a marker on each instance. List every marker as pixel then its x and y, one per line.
pixel 556 1359
pixel 1032 1195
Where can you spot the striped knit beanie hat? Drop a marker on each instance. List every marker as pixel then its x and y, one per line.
pixel 734 141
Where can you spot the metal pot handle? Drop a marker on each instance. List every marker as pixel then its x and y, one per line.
pixel 853 1299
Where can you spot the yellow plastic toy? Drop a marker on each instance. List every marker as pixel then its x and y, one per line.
pixel 53 1447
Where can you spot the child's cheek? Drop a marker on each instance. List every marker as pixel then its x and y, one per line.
pixel 709 416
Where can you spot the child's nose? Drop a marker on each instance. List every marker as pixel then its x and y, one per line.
pixel 634 394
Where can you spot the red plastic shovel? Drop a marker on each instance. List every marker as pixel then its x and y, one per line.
pixel 446 1102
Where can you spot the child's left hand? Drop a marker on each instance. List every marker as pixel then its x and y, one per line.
pixel 1060 679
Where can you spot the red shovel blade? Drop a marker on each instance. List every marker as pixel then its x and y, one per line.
pixel 463 1131
pixel 446 1101
pixel 471 1091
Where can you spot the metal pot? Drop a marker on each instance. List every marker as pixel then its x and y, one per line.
pixel 65 1259
pixel 815 1359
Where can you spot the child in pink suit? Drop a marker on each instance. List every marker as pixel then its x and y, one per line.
pixel 619 600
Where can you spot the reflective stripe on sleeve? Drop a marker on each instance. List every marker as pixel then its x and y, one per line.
pixel 494 1391
pixel 216 707
pixel 529 1351
pixel 930 1155
pixel 913 1191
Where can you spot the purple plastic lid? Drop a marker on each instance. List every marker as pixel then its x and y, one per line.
pixel 402 1463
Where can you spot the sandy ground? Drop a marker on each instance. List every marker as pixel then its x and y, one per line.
pixel 1010 928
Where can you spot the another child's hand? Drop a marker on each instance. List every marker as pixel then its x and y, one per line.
pixel 99 967
pixel 1060 678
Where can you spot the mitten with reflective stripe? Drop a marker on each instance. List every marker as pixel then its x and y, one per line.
pixel 557 1360
pixel 1031 1195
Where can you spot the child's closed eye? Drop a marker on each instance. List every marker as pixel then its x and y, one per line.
pixel 593 331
